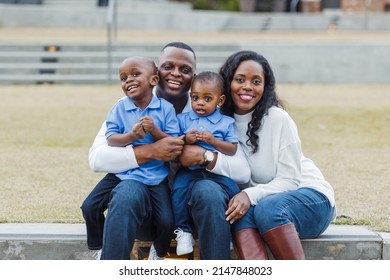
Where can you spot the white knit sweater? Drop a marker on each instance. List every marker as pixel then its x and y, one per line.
pixel 279 164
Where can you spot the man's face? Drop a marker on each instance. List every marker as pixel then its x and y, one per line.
pixel 176 69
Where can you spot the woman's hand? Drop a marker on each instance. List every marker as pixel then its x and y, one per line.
pixel 237 207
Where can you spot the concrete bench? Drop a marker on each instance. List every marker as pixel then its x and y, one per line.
pixel 68 241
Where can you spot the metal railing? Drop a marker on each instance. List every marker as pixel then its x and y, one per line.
pixel 111 33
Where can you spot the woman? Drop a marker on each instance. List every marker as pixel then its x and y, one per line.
pixel 287 197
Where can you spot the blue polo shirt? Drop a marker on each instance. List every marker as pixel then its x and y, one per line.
pixel 121 119
pixel 219 125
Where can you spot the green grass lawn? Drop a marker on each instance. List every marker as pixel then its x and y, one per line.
pixel 46 132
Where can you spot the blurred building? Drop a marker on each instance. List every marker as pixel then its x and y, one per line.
pixel 304 6
pixel 346 6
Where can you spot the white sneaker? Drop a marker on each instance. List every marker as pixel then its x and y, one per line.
pixel 231 245
pixel 185 242
pixel 97 254
pixel 153 254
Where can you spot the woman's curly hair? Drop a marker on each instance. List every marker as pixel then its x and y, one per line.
pixel 268 99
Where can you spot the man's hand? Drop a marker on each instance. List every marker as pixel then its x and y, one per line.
pixel 165 149
pixel 191 155
pixel 168 148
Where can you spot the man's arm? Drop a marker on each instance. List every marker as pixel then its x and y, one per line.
pixel 104 158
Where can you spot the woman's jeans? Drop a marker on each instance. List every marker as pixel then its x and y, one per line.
pixel 308 209
pixel 181 190
pixel 137 211
pixel 93 209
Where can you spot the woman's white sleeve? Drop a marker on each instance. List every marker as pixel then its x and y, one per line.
pixel 104 158
pixel 236 167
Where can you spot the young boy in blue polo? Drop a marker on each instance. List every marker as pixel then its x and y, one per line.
pixel 142 118
pixel 207 127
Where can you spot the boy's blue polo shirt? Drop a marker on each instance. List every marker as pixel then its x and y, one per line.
pixel 121 119
pixel 219 125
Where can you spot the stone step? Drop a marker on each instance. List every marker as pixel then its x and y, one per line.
pixel 68 241
pixel 88 63
pixel 291 62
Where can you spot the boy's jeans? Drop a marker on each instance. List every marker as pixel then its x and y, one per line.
pixel 181 190
pixel 137 211
pixel 93 209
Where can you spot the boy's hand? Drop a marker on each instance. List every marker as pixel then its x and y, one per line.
pixel 147 124
pixel 138 131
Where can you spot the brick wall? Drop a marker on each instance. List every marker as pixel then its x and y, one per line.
pixel 311 6
pixel 348 6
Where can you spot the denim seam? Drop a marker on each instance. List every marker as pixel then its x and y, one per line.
pixel 283 211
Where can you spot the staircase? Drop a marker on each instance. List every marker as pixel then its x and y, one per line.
pixel 83 63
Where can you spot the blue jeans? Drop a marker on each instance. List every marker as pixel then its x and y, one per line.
pixel 309 210
pixel 207 205
pixel 137 211
pixel 181 190
pixel 93 209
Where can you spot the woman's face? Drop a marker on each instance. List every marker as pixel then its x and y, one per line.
pixel 247 86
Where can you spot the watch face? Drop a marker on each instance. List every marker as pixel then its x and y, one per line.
pixel 209 156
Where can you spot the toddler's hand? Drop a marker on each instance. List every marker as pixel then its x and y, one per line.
pixel 205 136
pixel 190 137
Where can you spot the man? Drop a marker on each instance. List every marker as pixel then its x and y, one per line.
pixel 128 214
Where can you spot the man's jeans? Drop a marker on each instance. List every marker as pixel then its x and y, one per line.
pixel 181 190
pixel 207 205
pixel 309 210
pixel 137 211
pixel 129 217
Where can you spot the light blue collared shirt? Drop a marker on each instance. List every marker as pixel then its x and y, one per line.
pixel 121 119
pixel 219 125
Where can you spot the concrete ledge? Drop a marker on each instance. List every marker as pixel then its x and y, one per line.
pixel 68 242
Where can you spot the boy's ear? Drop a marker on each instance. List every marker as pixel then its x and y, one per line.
pixel 221 100
pixel 154 80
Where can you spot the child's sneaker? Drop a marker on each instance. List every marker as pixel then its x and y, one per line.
pixel 97 254
pixel 185 242
pixel 153 254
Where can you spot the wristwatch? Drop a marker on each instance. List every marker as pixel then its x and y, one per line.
pixel 208 157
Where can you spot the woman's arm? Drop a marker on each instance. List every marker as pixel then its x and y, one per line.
pixel 236 167
pixel 225 147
